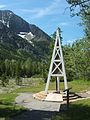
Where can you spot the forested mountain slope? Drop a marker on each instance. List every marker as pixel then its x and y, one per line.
pixel 20 40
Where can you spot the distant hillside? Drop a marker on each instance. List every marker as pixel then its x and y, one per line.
pixel 20 40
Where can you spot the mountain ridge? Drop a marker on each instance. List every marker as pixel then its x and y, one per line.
pixel 10 26
pixel 9 18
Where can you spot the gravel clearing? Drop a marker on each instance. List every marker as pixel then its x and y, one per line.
pixel 36 110
pixel 40 110
pixel 27 100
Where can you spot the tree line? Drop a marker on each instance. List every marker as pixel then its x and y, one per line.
pixel 19 68
pixel 81 48
pixel 77 60
pixel 76 55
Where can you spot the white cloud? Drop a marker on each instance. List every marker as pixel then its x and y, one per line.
pixel 63 24
pixel 71 41
pixel 53 8
pixel 2 6
pixel 66 42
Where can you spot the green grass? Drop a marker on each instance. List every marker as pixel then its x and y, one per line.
pixel 77 86
pixel 9 110
pixel 33 89
pixel 8 107
pixel 79 110
pixel 7 98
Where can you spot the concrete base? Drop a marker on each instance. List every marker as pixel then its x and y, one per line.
pixel 54 97
pixel 51 96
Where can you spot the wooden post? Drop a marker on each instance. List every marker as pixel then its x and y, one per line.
pixel 56 84
pixel 67 92
pixel 68 99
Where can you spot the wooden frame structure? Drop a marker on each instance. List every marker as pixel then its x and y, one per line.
pixel 57 68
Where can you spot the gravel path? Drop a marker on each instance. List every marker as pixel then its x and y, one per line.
pixel 37 110
pixel 26 100
pixel 40 110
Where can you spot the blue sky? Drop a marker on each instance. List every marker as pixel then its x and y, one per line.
pixel 48 15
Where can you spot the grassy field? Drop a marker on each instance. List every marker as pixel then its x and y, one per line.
pixel 79 110
pixel 77 86
pixel 8 107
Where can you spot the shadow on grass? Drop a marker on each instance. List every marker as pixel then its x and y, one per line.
pixel 8 110
pixel 75 112
pixel 11 112
pixel 35 115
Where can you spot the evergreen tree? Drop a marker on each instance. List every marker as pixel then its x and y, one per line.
pixel 4 80
pixel 7 67
pixel 69 62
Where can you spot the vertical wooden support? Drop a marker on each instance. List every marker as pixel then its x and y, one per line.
pixel 58 85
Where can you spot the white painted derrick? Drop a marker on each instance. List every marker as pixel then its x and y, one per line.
pixel 57 67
